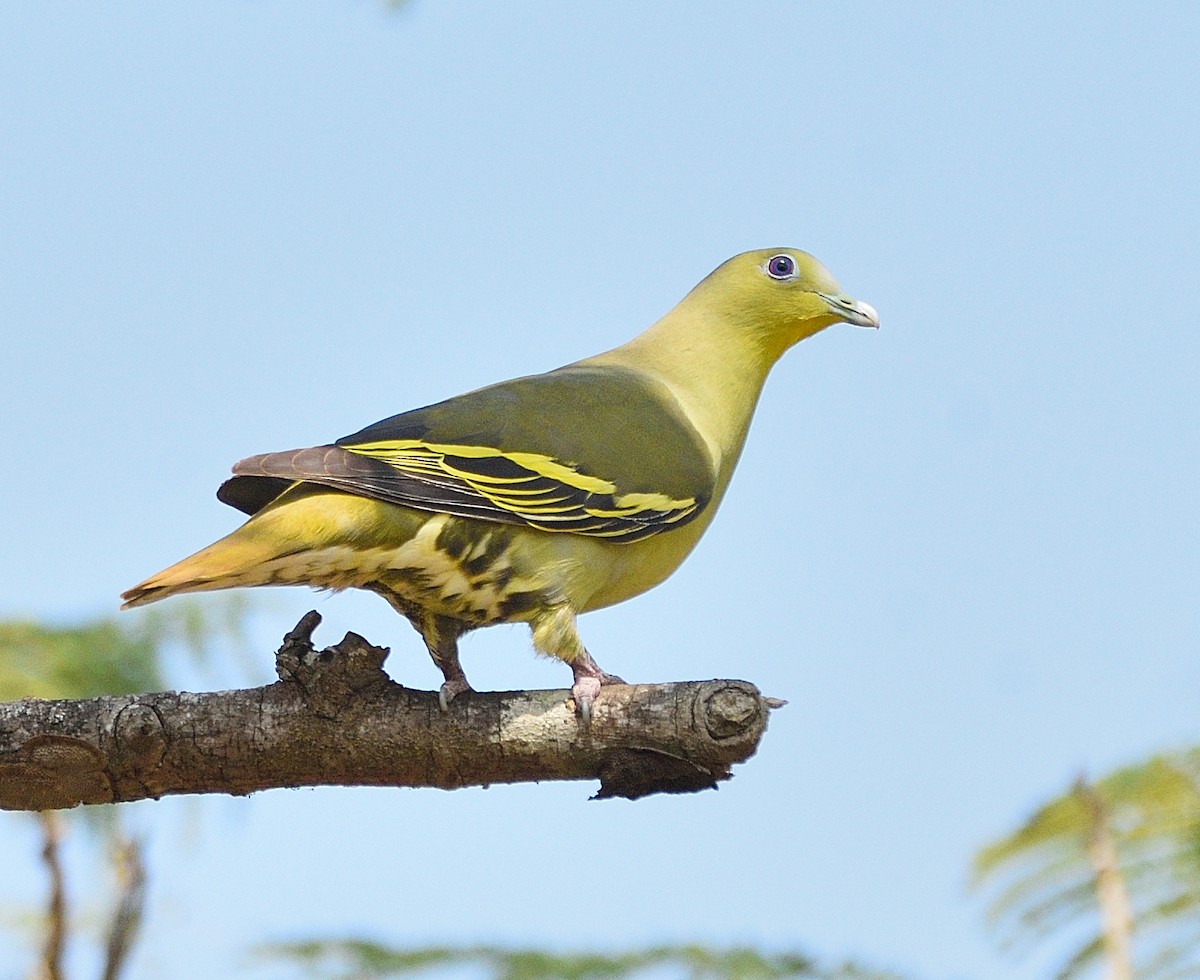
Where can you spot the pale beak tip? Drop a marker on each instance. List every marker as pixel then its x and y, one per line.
pixel 870 318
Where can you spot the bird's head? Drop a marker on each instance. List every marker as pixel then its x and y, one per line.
pixel 781 295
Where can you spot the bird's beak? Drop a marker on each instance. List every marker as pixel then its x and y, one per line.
pixel 852 311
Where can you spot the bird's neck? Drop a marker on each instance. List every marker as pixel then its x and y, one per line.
pixel 714 369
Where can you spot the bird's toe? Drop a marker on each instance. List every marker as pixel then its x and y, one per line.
pixel 449 691
pixel 583 693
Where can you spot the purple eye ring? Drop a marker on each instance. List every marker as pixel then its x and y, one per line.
pixel 781 266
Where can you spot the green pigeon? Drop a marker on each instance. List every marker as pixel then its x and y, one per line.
pixel 536 499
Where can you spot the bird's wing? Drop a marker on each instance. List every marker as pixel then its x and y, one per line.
pixel 590 450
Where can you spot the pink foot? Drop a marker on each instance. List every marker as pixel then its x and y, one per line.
pixel 588 680
pixel 584 692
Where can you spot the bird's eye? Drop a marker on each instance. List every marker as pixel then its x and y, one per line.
pixel 781 267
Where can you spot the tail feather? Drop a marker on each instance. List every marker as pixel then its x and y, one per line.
pixel 315 537
pixel 225 564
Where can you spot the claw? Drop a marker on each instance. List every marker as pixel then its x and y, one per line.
pixel 589 678
pixel 450 690
pixel 584 692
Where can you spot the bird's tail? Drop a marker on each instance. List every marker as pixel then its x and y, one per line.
pixel 309 536
pixel 237 559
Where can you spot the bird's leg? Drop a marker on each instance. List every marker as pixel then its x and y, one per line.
pixel 440 634
pixel 555 635
pixel 441 639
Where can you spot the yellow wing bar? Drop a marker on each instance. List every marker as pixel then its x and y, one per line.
pixel 538 489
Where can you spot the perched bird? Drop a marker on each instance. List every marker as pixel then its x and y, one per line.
pixel 536 499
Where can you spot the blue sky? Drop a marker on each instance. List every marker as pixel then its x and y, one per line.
pixel 964 548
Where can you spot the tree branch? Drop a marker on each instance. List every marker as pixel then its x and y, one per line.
pixel 335 718
pixel 127 911
pixel 56 913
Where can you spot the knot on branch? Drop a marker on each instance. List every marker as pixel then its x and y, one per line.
pixel 54 772
pixel 727 721
pixel 730 710
pixel 139 738
pixel 334 679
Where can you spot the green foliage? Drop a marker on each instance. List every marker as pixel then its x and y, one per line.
pixel 110 655
pixel 102 657
pixel 364 960
pixel 1044 882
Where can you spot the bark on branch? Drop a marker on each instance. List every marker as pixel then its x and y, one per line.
pixel 335 718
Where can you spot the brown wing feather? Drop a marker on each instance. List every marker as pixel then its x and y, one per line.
pixel 338 469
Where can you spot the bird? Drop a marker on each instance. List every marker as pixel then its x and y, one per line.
pixel 536 499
